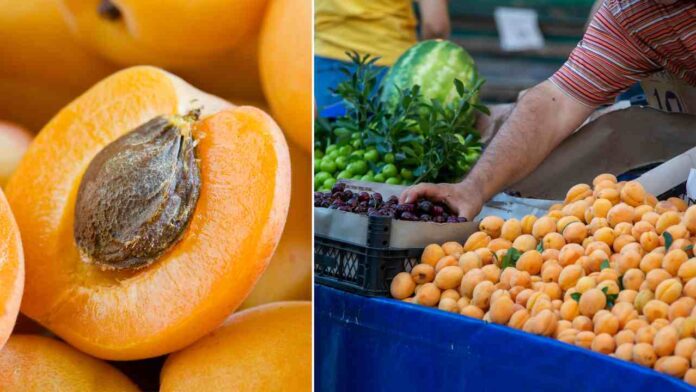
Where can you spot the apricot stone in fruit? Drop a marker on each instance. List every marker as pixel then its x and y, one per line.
pixel 402 286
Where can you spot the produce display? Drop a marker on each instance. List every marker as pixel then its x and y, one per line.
pixel 373 204
pixel 611 269
pixel 417 125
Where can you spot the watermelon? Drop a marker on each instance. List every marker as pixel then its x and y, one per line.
pixel 433 65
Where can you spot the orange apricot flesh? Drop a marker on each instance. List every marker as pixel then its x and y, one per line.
pixel 11 270
pixel 200 280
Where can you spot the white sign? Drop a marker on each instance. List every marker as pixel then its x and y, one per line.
pixel 518 29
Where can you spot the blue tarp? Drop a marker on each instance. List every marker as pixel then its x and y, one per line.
pixel 379 344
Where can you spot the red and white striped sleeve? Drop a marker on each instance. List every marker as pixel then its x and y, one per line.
pixel 605 62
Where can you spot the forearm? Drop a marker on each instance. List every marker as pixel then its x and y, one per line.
pixel 435 22
pixel 539 122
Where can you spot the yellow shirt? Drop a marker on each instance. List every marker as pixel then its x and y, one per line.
pixel 384 28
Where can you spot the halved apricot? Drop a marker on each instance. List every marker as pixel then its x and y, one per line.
pixel 163 33
pixel 38 363
pixel 285 50
pixel 267 348
pixel 146 282
pixel 11 270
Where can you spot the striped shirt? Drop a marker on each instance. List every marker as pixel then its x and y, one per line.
pixel 627 41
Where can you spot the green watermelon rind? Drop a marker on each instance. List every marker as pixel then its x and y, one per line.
pixel 433 65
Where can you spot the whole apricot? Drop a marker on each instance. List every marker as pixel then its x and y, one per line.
pixel 570 275
pixel 605 322
pixel 690 288
pixel 632 279
pixel 577 192
pixel 511 229
pixel 453 248
pixel 567 335
pixel 667 219
pixel 423 273
pixel 448 305
pixel 596 224
pixel 519 318
pixel 498 244
pixel 576 210
pixel 402 286
pixel 520 278
pixel 668 290
pixel 645 334
pixel 469 261
pixel 603 343
pixel 660 323
pixel 479 239
pixel 584 339
pixel 651 261
pixel 655 277
pixel 550 271
pixel 636 324
pixel 690 377
pixel 463 302
pixel 624 312
pixel 673 365
pixel 651 217
pixel 472 311
pixel 620 213
pixel 553 241
pixel 428 295
pixel 569 310
pixel 592 301
pixel 450 293
pixel 492 225
pixel 482 294
pixel 624 336
pixel 524 243
pixel 544 323
pixel 627 296
pixel 527 223
pixel 689 219
pixel 569 254
pixel 432 254
pixel 685 347
pixel 543 226
pixel 673 260
pixel 470 280
pixel 604 234
pixel 530 261
pixel 601 208
pixel 643 297
pixel 633 193
pixel 582 323
pixel 655 309
pixel 446 261
pixel 492 272
pixel 501 310
pixel 644 354
pixel 575 232
pixel 485 254
pixel 624 351
pixel 449 277
pixel 682 307
pixel 585 283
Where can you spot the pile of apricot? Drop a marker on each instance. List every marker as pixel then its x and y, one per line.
pixel 610 269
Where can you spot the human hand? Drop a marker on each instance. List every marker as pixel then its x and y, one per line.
pixel 463 201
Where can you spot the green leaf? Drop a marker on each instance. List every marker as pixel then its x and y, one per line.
pixel 605 289
pixel 460 87
pixel 495 256
pixel 460 138
pixel 668 239
pixel 511 257
pixel 540 247
pixel 576 296
pixel 605 264
pixel 688 248
pixel 611 300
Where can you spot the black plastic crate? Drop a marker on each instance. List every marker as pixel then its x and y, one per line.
pixel 366 270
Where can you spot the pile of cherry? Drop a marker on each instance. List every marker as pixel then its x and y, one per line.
pixel 373 204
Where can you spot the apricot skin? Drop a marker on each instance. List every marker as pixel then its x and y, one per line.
pixel 37 363
pixel 402 286
pixel 248 353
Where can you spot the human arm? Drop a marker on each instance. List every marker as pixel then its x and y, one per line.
pixel 540 121
pixel 435 21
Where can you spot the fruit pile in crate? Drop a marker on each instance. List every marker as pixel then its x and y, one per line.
pixel 417 124
pixel 611 269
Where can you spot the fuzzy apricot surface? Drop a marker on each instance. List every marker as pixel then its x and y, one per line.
pixel 267 348
pixel 11 270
